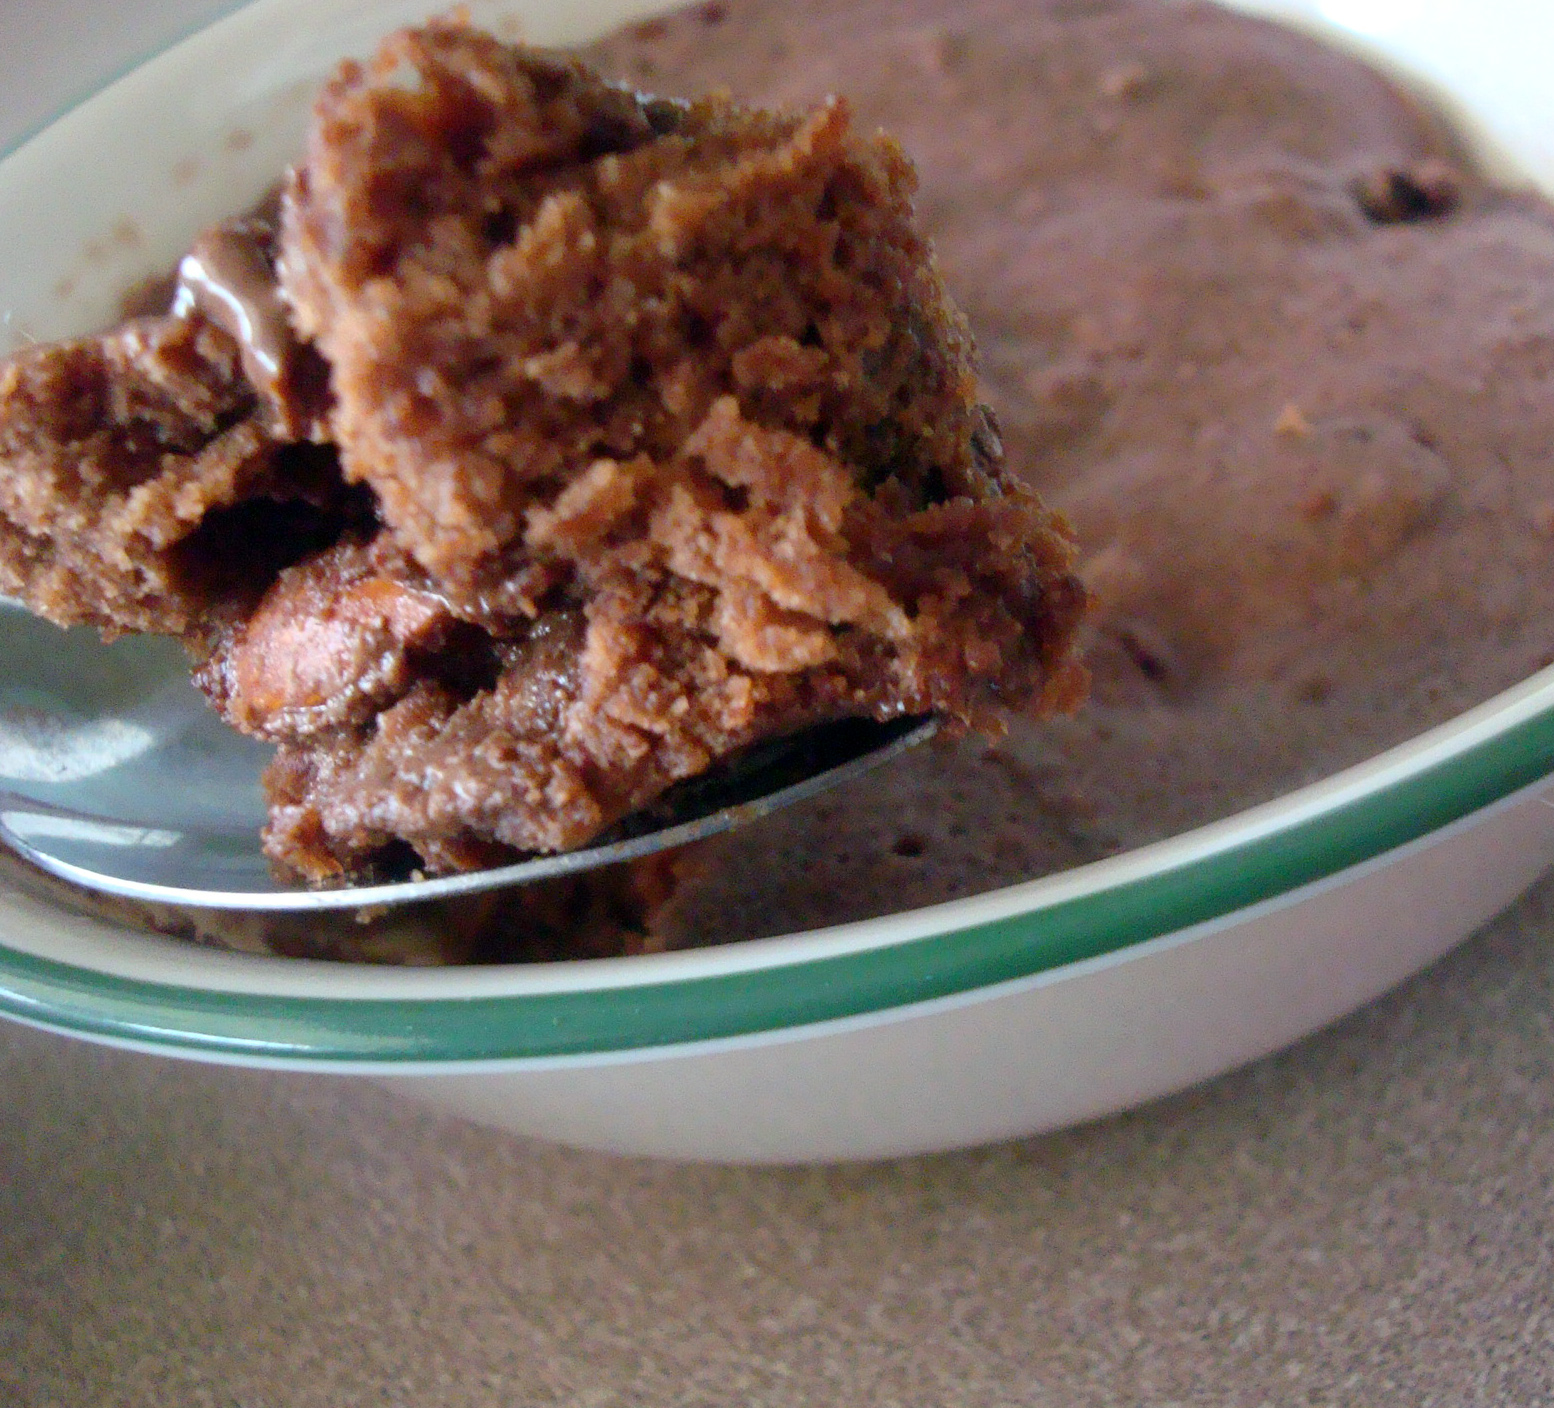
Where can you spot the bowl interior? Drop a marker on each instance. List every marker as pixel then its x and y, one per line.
pixel 128 177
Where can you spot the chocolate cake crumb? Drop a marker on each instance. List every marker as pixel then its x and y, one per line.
pixel 1401 195
pixel 137 467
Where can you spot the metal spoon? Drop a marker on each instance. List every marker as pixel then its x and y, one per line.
pixel 115 774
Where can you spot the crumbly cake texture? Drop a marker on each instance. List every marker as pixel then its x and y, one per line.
pixel 142 489
pixel 671 442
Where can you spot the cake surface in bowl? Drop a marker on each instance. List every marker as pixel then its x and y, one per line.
pixel 1252 316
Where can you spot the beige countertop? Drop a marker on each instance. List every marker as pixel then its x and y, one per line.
pixel 1366 1219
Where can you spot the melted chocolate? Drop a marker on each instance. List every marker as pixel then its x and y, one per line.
pixel 228 278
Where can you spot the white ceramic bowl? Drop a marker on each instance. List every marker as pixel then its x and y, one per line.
pixel 1013 1012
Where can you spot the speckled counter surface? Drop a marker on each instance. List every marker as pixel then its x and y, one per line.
pixel 1366 1219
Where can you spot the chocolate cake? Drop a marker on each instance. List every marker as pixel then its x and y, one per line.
pixel 649 433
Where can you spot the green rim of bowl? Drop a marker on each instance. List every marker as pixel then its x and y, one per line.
pixel 1251 865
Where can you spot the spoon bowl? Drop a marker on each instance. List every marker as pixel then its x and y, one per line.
pixel 115 774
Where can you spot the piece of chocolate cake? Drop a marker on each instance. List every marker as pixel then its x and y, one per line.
pixel 672 443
